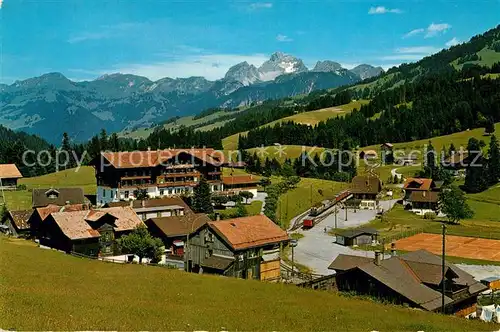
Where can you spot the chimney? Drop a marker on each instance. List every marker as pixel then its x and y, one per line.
pixel 393 249
pixel 377 257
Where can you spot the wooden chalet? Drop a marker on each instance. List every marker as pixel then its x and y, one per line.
pixel 245 248
pixel 39 214
pixel 237 183
pixel 173 230
pixel 88 232
pixel 365 189
pixel 356 236
pixel 9 174
pixel 57 196
pixel 161 173
pixel 413 279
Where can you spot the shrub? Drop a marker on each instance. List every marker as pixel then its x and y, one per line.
pixel 430 215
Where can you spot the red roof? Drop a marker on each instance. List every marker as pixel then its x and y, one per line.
pixel 9 171
pixel 249 232
pixel 418 184
pixel 240 179
pixel 44 212
pixel 135 159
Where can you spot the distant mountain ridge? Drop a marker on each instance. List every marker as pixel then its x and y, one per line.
pixel 51 103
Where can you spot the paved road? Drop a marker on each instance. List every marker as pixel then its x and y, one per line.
pixel 317 249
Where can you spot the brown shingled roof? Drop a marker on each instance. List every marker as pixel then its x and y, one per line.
pixel 249 232
pixel 410 274
pixel 74 224
pixel 44 212
pixel 41 197
pixel 179 225
pixel 240 179
pixel 20 218
pixel 151 203
pixel 9 171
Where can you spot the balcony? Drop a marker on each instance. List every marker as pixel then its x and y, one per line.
pixel 174 175
pixel 177 184
pixel 136 177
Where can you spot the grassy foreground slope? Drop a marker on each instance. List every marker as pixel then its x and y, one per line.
pixel 47 290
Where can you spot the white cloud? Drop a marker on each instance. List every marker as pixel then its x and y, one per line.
pixel 434 29
pixel 452 42
pixel 283 38
pixel 106 32
pixel 260 5
pixel 418 50
pixel 210 66
pixel 383 10
pixel 1 2
pixel 414 32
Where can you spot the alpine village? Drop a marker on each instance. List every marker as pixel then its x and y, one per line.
pixel 370 202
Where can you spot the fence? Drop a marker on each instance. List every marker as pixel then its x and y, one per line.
pixel 401 235
pixel 121 261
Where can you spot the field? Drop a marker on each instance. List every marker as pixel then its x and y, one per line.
pixel 252 209
pixel 283 152
pixel 21 199
pixel 308 192
pixel 48 290
pixel 488 58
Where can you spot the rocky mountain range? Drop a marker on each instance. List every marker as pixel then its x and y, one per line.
pixel 51 104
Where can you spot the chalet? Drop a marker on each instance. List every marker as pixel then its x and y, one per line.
pixel 17 221
pixel 365 189
pixel 57 196
pixel 245 248
pixel 420 200
pixel 386 147
pixel 413 279
pixel 161 173
pixel 41 213
pixel 356 236
pixel 368 154
pixel 155 208
pixel 9 174
pixel 88 232
pixel 174 230
pixel 237 183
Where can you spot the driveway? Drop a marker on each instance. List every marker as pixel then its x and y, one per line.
pixel 317 249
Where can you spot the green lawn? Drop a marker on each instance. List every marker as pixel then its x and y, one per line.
pixel 48 290
pixel 83 177
pixel 283 152
pixel 253 209
pixel 488 58
pixel 307 193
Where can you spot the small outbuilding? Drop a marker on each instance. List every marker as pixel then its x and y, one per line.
pixel 9 174
pixel 357 236
pixel 17 222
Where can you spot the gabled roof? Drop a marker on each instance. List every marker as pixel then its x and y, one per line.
pixel 42 197
pixel 240 179
pixel 249 232
pixel 44 212
pixel 351 233
pixel 75 224
pixel 20 218
pixel 136 159
pixel 9 171
pixel 410 274
pixel 365 185
pixel 418 184
pixel 174 226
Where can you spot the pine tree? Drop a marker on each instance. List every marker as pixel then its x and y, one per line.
pixel 493 161
pixel 475 179
pixel 202 202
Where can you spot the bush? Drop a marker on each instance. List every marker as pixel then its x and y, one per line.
pixel 21 187
pixel 430 215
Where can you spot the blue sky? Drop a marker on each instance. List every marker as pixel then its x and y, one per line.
pixel 86 39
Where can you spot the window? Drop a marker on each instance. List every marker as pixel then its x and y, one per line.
pixel 162 192
pixel 126 194
pixel 104 193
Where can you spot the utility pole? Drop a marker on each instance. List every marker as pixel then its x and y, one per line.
pixel 336 211
pixel 443 269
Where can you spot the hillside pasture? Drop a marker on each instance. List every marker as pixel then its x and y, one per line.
pixel 49 290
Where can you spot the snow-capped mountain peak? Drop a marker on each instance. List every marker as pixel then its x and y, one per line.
pixel 279 64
